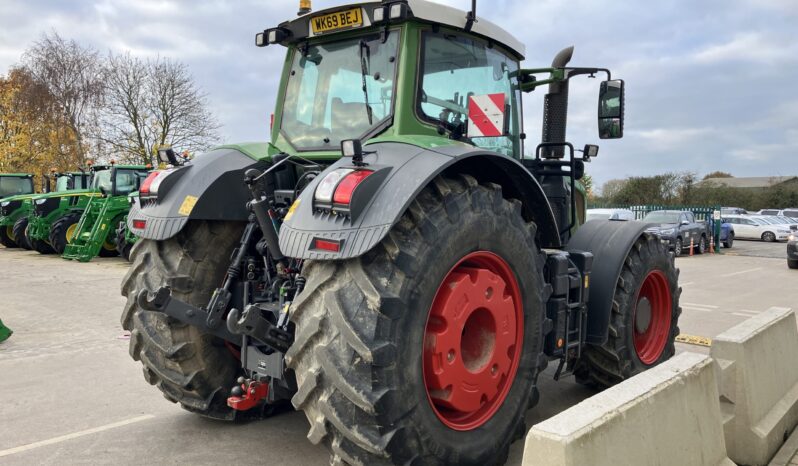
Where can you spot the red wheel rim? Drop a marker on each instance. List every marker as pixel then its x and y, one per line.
pixel 652 317
pixel 473 341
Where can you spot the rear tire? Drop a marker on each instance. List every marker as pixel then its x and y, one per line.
pixel 108 248
pixel 6 237
pixel 729 241
pixel 618 359
pixel 189 366
pixel 768 237
pixel 122 245
pixel 363 335
pixel 792 263
pixel 677 247
pixel 58 232
pixel 701 247
pixel 20 237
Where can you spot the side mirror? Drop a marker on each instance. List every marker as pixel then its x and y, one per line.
pixel 685 222
pixel 611 109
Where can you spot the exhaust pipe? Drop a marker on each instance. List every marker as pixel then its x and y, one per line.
pixel 555 109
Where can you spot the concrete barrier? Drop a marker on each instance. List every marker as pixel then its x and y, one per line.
pixel 668 415
pixel 758 384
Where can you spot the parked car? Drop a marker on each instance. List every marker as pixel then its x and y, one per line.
pixel 792 251
pixel 609 214
pixel 758 227
pixel 677 228
pixel 732 211
pixel 791 212
pixel 726 232
pixel 782 220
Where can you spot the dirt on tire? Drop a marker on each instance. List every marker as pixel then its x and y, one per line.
pixel 360 327
pixel 190 367
pixel 615 361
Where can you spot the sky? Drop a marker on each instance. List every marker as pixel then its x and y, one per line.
pixel 710 85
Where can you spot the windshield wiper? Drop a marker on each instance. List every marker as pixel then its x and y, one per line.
pixel 364 63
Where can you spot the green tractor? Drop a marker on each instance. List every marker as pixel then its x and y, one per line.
pixel 95 232
pixel 55 214
pixel 392 263
pixel 16 190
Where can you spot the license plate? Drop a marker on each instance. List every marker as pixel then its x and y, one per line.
pixel 336 21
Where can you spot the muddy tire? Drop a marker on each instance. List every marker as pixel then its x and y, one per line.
pixel 59 230
pixel 7 237
pixel 20 227
pixel 365 336
pixel 189 366
pixel 644 321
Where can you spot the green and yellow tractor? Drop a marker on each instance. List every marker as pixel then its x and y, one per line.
pixel 16 190
pixel 392 262
pixel 55 213
pixel 95 232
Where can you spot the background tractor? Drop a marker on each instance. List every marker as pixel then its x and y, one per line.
pixel 95 233
pixel 16 189
pixel 392 263
pixel 62 206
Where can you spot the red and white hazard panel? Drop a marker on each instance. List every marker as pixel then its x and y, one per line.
pixel 486 115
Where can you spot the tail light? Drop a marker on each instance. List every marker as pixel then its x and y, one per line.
pixel 337 186
pixel 139 224
pixel 149 188
pixel 343 193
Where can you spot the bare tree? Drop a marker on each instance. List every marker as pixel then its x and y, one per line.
pixel 150 103
pixel 125 115
pixel 73 75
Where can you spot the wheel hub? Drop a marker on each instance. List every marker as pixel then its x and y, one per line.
pixel 652 317
pixel 472 341
pixel 643 315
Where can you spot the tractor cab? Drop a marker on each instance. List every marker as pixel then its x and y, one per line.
pixel 118 180
pixel 15 184
pixel 412 68
pixel 71 181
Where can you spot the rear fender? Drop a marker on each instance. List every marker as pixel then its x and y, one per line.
pixel 211 187
pixel 402 171
pixel 610 242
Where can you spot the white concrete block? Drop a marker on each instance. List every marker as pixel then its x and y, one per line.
pixel 758 384
pixel 668 415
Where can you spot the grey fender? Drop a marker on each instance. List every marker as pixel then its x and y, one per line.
pixel 401 172
pixel 610 242
pixel 211 187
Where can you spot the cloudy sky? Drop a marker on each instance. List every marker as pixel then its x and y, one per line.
pixel 711 85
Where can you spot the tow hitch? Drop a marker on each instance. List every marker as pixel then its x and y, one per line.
pixel 246 394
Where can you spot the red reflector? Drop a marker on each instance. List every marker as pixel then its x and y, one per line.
pixel 145 187
pixel 139 224
pixel 345 188
pixel 324 245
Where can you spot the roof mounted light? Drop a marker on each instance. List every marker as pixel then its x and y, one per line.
pixel 398 11
pixel 272 36
pixel 167 155
pixel 378 15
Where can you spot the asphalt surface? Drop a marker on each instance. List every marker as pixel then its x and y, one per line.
pixel 70 394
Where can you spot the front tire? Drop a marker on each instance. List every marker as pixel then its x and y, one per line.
pixel 644 319
pixel 768 237
pixel 189 366
pixel 20 236
pixel 63 230
pixel 677 247
pixel 792 263
pixel 7 236
pixel 370 334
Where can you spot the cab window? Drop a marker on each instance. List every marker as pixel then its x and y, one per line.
pixel 454 69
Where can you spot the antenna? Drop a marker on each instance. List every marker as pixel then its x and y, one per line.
pixel 471 16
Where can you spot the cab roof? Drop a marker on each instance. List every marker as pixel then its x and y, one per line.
pixel 17 175
pixel 421 10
